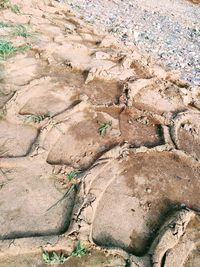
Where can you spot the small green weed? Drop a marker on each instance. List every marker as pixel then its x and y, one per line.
pixel 17 30
pixel 15 9
pixel 72 175
pixel 77 7
pixel 37 118
pixel 72 186
pixel 21 30
pixel 7 49
pixel 104 127
pixel 7 4
pixel 80 250
pixel 5 25
pixel 53 258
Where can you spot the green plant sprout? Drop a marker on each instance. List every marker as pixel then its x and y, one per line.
pixel 7 4
pixel 104 127
pixel 37 118
pixel 21 30
pixel 73 186
pixel 7 49
pixel 72 175
pixel 80 250
pixel 53 258
pixel 15 9
pixel 5 25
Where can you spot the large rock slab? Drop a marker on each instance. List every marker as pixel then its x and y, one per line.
pixel 21 69
pixel 155 95
pixel 16 140
pixel 177 243
pixel 6 93
pixel 186 133
pixel 99 92
pixel 134 194
pixel 140 129
pixel 45 96
pixel 81 144
pixel 28 189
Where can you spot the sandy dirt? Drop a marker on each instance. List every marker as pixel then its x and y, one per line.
pixel 167 30
pixel 98 143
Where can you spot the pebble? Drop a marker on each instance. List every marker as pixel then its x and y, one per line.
pixel 170 40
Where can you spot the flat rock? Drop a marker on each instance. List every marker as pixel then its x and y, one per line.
pixel 6 92
pixel 177 242
pixel 21 69
pixel 81 143
pixel 43 105
pixel 45 96
pixel 155 95
pixel 186 133
pixel 28 190
pixel 100 92
pixel 137 193
pixel 140 129
pixel 16 140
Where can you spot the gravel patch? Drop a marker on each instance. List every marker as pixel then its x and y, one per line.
pixel 168 30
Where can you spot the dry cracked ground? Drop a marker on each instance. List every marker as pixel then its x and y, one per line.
pixel 99 148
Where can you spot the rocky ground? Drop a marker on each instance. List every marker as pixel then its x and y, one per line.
pixel 99 148
pixel 167 30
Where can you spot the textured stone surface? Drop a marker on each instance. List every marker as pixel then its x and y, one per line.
pixel 81 144
pixel 137 193
pixel 186 133
pixel 16 140
pixel 28 190
pixel 61 178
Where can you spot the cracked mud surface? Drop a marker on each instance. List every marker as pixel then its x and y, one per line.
pixel 98 144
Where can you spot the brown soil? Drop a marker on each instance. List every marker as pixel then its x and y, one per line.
pixel 77 99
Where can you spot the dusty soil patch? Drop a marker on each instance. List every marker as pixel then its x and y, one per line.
pixel 97 143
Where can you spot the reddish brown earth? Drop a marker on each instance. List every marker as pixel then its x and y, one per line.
pixel 78 100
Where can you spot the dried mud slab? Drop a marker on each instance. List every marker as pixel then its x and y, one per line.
pixel 5 97
pixel 16 140
pixel 21 69
pixel 196 97
pixel 155 95
pixel 81 144
pixel 178 241
pixel 134 194
pixel 45 96
pixel 140 129
pixel 27 192
pixel 27 252
pixel 99 92
pixel 62 89
pixel 186 133
pixel 6 91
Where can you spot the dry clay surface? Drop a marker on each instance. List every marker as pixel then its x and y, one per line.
pixel 86 118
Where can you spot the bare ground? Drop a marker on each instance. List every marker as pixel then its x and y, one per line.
pixel 98 143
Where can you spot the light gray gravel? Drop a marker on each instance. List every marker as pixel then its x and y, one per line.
pixel 169 30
